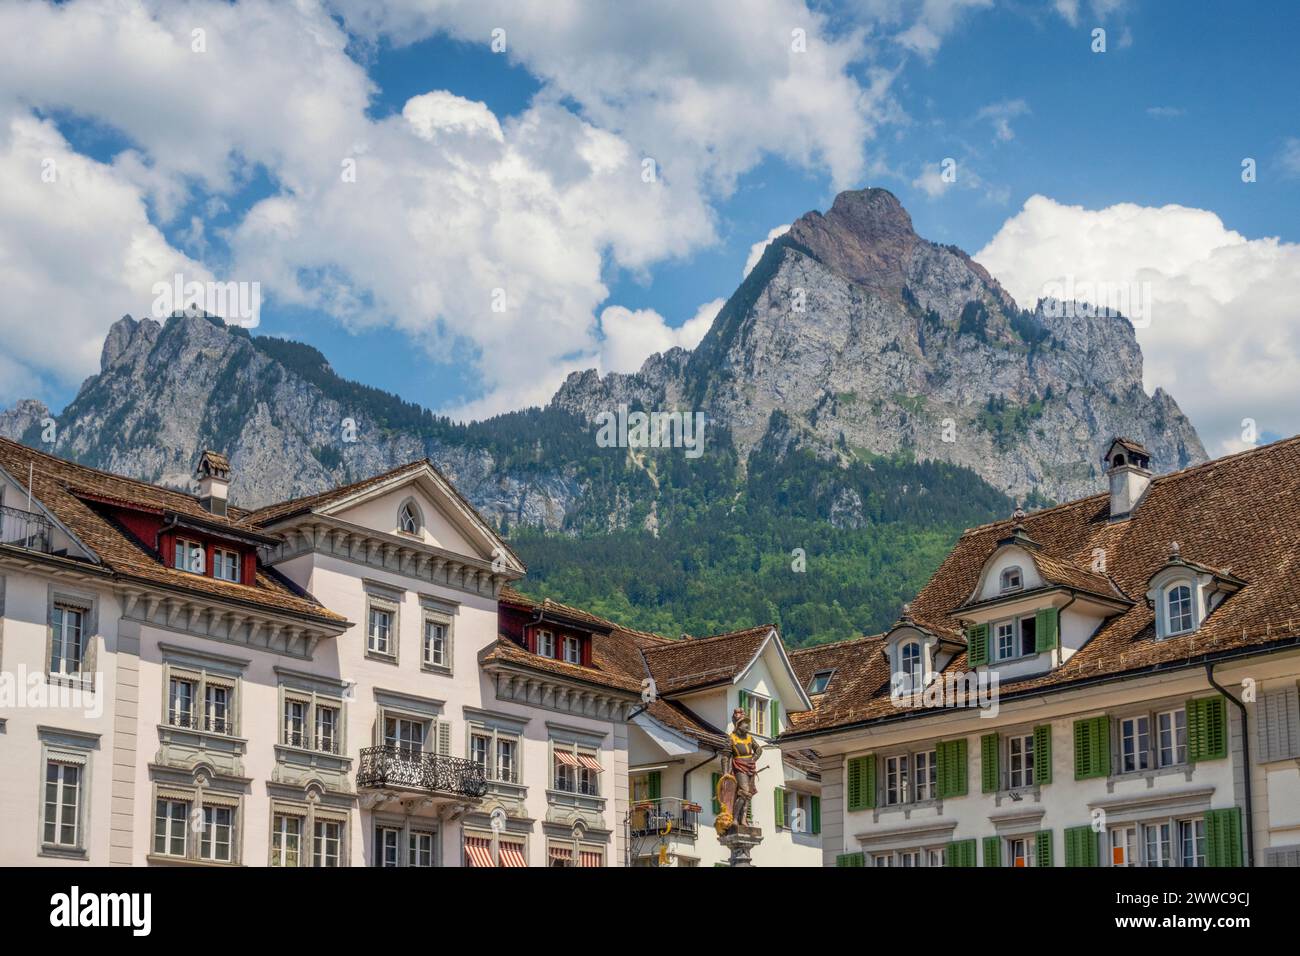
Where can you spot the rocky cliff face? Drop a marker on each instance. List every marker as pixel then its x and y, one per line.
pixel 853 336
pixel 873 341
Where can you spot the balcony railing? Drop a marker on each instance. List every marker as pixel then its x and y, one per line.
pixel 209 723
pixel 391 766
pixel 670 814
pixel 25 529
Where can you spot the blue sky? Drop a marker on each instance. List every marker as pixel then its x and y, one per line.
pixel 1010 90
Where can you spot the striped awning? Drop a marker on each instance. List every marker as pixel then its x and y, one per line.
pixel 590 858
pixel 512 854
pixel 590 762
pixel 562 853
pixel 564 757
pixel 478 850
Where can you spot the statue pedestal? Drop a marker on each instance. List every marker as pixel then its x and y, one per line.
pixel 741 844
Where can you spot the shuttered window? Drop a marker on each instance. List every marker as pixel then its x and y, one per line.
pixel 1207 729
pixel 1223 837
pixel 989 771
pixel 1091 748
pixel 713 788
pixel 1046 626
pixel 861 783
pixel 992 851
pixel 960 853
pixel 851 859
pixel 1043 754
pixel 778 794
pixel 1278 725
pixel 816 809
pixel 1081 846
pixel 977 645
pixel 951 755
pixel 1043 848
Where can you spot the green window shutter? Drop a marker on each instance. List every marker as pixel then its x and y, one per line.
pixel 1043 848
pixel 851 859
pixel 1092 748
pixel 778 794
pixel 960 853
pixel 1046 626
pixel 861 784
pixel 992 851
pixel 654 784
pixel 1043 754
pixel 977 645
pixel 1081 846
pixel 950 771
pixel 816 814
pixel 744 700
pixel 776 718
pixel 1223 837
pixel 989 774
pixel 713 786
pixel 1207 729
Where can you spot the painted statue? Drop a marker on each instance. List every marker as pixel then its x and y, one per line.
pixel 738 784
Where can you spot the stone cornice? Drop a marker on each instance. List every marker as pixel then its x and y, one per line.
pixel 551 692
pixel 321 534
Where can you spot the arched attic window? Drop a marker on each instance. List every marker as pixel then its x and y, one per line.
pixel 910 665
pixel 1178 608
pixel 408 518
pixel 1011 579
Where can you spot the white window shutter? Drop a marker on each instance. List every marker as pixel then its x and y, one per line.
pixel 1278 731
pixel 444 737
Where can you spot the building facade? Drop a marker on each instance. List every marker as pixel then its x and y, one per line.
pixel 1112 681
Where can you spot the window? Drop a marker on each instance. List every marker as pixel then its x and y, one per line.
pixel 286 839
pixel 573 650
pixel 327 729
pixel 404 734
pixel 546 644
pixel 496 754
pixel 327 843
pixel 387 842
pixel 62 805
pixel 295 723
pixel 225 565
pixel 1015 638
pixel 1179 598
pixel 1020 761
pixel 379 638
pixel 911 665
pixel 407 520
pixel 821 680
pixel 936 857
pixel 1157 846
pixel 1191 838
pixel 435 643
pixel 505 769
pixel 1018 851
pixel 216 709
pixel 924 776
pixel 67 649
pixel 214 840
pixel 189 556
pixel 1011 580
pixel 909 858
pixel 180 702
pixel 420 849
pixel 1171 727
pixel 896 779
pixel 882 859
pixel 1123 846
pixel 798 812
pixel 1135 744
pixel 479 747
pixel 758 708
pixel 577 770
pixel 171 819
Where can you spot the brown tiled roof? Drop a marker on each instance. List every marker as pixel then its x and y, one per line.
pixel 675 715
pixel 1240 514
pixel 679 666
pixel 600 672
pixel 73 494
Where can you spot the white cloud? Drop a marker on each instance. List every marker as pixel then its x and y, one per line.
pixel 1224 337
pixel 630 337
pixel 921 25
pixel 931 181
pixel 1166 112
pixel 1001 114
pixel 757 249
pixel 75 253
pixel 1291 156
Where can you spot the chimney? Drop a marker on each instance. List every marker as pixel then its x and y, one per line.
pixel 213 474
pixel 1126 464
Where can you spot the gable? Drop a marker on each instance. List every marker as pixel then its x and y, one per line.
pixel 437 528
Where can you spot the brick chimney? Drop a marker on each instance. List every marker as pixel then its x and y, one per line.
pixel 213 474
pixel 1126 464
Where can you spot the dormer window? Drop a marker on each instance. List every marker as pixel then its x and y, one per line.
pixel 225 565
pixel 573 650
pixel 1011 580
pixel 821 680
pixel 190 557
pixel 1179 609
pixel 546 644
pixel 408 520
pixel 910 665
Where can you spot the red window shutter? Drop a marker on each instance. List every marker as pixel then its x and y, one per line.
pixel 248 575
pixel 585 644
pixel 210 555
pixel 167 548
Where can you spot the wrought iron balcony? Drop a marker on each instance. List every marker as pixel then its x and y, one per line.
pixel 407 768
pixel 209 723
pixel 665 816
pixel 25 529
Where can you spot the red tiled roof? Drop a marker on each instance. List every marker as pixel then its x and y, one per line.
pixel 1240 514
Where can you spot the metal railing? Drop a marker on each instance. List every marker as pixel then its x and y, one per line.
pixel 25 529
pixel 392 766
pixel 666 814
pixel 211 723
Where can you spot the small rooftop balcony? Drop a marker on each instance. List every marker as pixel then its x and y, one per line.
pixel 26 529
